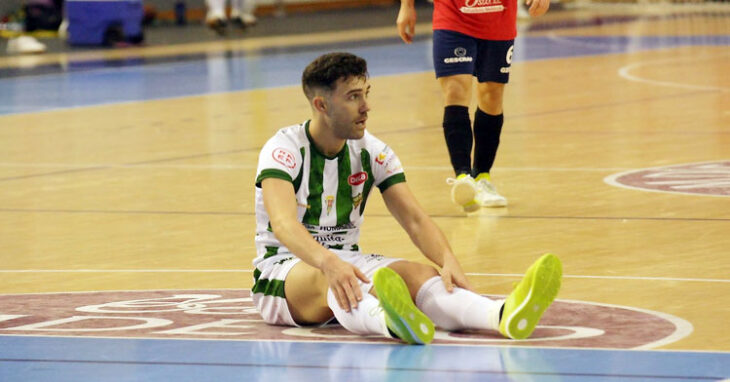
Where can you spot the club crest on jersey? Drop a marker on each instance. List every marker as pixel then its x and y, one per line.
pixel 358 178
pixel 356 200
pixel 330 202
pixel 284 157
pixel 380 159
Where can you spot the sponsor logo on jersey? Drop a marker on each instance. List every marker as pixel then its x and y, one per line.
pixel 482 6
pixel 357 179
pixel 330 202
pixel 284 157
pixel 380 159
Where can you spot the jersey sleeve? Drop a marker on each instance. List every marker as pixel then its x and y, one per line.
pixel 279 158
pixel 387 168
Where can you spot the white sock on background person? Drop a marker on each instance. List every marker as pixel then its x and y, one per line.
pixel 460 309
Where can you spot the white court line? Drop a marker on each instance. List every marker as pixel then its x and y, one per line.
pixel 643 278
pixel 624 72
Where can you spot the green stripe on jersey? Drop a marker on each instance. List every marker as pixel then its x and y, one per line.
pixel 316 187
pixel 365 160
pixel 344 190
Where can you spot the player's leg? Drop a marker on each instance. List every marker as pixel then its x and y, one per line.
pixel 311 302
pixel 306 294
pixel 453 57
pixel 516 317
pixel 492 67
pixel 459 309
pixel 395 294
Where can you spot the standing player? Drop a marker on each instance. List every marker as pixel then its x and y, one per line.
pixel 312 184
pixel 471 38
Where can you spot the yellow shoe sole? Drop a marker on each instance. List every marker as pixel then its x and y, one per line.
pixel 524 307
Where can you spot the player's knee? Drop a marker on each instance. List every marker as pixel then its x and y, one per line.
pixel 456 91
pixel 414 274
pixel 456 95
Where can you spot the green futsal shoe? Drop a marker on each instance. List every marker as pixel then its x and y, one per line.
pixel 401 314
pixel 531 297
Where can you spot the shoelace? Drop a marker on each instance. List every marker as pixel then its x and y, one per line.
pixel 487 186
pixel 450 181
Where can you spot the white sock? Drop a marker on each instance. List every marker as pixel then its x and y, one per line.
pixel 368 318
pixel 460 309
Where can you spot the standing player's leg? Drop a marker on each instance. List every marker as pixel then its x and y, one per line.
pixel 453 56
pixel 492 70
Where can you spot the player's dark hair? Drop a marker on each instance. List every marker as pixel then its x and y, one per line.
pixel 325 70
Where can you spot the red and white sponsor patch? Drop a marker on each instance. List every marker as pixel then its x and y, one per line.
pixel 231 315
pixel 284 157
pixel 357 179
pixel 708 178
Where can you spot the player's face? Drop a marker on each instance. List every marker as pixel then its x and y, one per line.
pixel 349 108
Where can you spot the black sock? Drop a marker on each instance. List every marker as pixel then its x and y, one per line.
pixel 459 139
pixel 487 129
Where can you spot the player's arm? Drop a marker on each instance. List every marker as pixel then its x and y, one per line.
pixel 424 233
pixel 281 206
pixel 406 21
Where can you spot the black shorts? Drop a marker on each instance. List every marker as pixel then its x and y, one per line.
pixel 457 53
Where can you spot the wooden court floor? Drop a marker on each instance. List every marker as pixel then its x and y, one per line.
pixel 158 194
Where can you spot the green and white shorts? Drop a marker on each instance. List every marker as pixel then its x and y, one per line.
pixel 269 275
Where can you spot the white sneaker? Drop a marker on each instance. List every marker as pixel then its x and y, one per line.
pixel 464 192
pixel 25 44
pixel 488 196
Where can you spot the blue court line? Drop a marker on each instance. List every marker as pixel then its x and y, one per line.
pixel 220 74
pixel 76 358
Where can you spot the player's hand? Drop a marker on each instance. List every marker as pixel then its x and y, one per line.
pixel 343 280
pixel 537 7
pixel 406 22
pixel 451 274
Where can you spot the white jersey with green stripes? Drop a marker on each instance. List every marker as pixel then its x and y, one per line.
pixel 331 192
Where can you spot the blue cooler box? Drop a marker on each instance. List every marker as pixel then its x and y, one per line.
pixel 90 20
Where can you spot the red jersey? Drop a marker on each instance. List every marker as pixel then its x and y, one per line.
pixel 483 19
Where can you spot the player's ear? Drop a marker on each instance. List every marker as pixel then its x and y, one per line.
pixel 319 103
